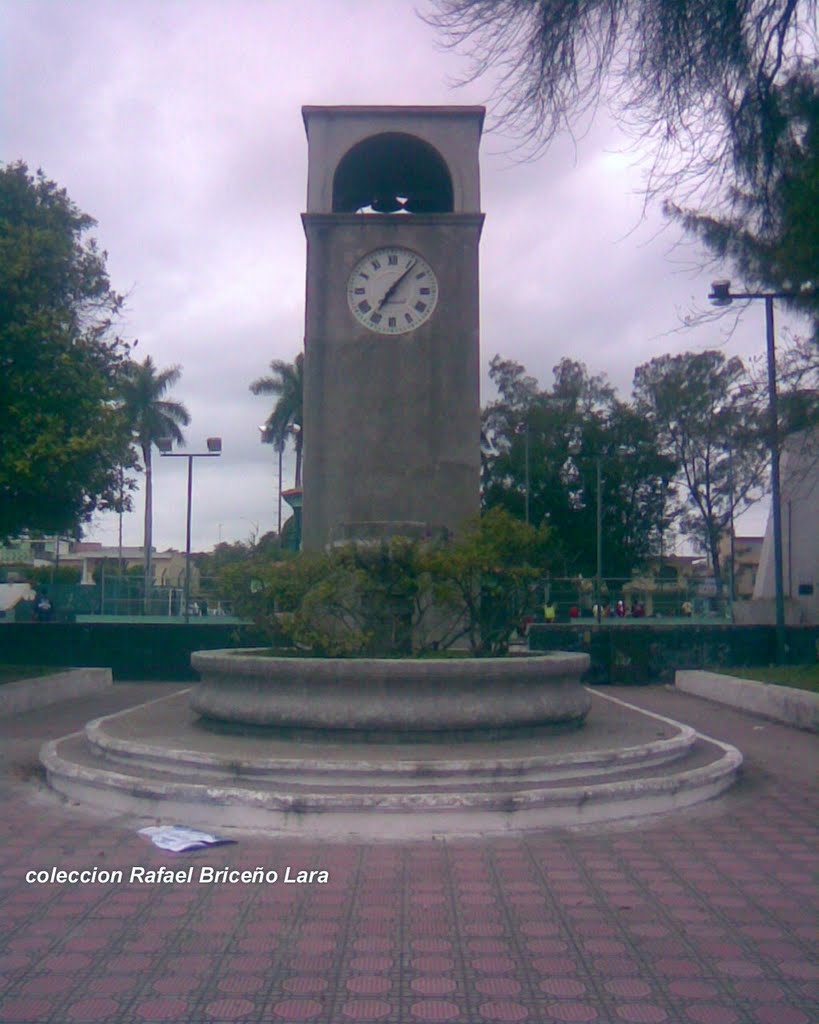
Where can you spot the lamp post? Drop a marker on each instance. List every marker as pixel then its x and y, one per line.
pixel 610 455
pixel 599 580
pixel 732 581
pixel 526 456
pixel 214 451
pixel 266 437
pixel 523 428
pixel 721 295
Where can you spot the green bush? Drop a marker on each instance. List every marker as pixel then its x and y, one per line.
pixel 397 597
pixel 40 575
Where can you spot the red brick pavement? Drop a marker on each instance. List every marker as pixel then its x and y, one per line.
pixel 706 917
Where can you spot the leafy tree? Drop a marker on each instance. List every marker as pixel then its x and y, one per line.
pixel 40 575
pixel 696 78
pixel 268 590
pixel 639 479
pixel 367 602
pixel 487 577
pixel 151 417
pixel 565 431
pixel 709 421
pixel 389 599
pixel 217 567
pixel 225 553
pixel 772 236
pixel 351 600
pixel 63 439
pixel 286 419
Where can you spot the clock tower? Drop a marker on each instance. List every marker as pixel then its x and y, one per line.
pixel 391 366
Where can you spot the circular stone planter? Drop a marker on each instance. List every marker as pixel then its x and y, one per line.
pixel 391 699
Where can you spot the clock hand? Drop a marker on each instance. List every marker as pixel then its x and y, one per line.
pixel 391 290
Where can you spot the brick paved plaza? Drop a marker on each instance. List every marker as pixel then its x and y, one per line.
pixel 706 917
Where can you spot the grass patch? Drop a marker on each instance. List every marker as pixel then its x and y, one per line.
pixel 13 673
pixel 799 677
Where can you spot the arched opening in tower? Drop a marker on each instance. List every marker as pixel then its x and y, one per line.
pixel 392 173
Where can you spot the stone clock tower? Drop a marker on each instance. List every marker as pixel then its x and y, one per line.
pixel 391 371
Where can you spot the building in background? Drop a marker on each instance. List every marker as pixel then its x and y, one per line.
pixel 799 473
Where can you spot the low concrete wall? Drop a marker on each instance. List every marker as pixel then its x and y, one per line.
pixel 783 704
pixel 405 696
pixel 761 611
pixel 28 694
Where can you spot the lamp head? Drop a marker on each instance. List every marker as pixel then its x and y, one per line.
pixel 215 445
pixel 164 444
pixel 721 293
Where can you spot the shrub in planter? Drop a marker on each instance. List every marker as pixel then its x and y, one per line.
pixel 398 597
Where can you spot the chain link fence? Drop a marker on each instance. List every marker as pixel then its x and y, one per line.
pixel 113 596
pixel 630 598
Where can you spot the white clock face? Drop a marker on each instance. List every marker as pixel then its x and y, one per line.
pixel 392 291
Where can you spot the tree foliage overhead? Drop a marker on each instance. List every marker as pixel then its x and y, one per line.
pixel 63 437
pixel 488 579
pixel 696 77
pixel 708 419
pixel 400 596
pixel 772 234
pixel 151 416
pixel 552 440
pixel 287 384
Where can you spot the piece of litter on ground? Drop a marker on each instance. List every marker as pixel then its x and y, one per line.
pixel 178 838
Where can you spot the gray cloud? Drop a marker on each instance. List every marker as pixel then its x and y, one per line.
pixel 177 126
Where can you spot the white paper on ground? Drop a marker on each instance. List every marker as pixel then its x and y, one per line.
pixel 178 838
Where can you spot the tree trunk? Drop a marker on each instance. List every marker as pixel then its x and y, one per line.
pixel 715 565
pixel 148 532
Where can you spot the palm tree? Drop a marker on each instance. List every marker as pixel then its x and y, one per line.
pixel 287 383
pixel 151 417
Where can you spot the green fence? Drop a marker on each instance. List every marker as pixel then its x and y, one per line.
pixel 123 597
pixel 138 650
pixel 637 653
pixel 658 598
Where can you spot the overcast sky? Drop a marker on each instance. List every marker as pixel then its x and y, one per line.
pixel 177 126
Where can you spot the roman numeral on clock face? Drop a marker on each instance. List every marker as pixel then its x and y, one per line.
pixel 392 291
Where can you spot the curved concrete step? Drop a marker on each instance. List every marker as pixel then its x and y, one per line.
pixel 129 739
pixel 431 806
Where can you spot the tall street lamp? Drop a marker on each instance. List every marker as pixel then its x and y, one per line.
pixel 721 295
pixel 598 472
pixel 599 579
pixel 523 428
pixel 214 451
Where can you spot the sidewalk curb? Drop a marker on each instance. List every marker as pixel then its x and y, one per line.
pixel 29 694
pixel 799 708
